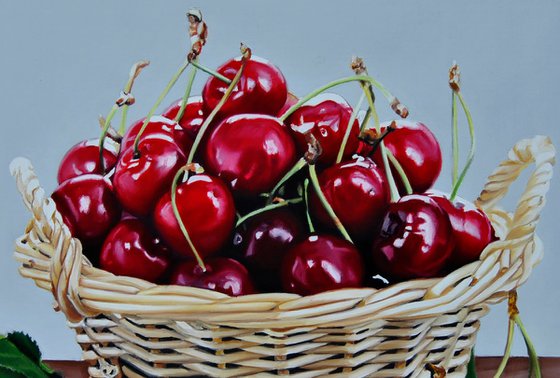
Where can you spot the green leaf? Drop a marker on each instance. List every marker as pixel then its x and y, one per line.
pixel 12 359
pixel 7 373
pixel 46 368
pixel 26 345
pixel 471 367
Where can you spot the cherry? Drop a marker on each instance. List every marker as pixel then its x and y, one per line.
pixel 320 263
pixel 206 208
pixel 262 241
pixel 193 116
pixel 291 100
pixel 131 249
pixel 471 229
pixel 224 275
pixel 88 206
pixel 250 152
pixel 158 127
pixel 358 194
pixel 417 150
pixel 262 89
pixel 141 180
pixel 83 158
pixel 415 240
pixel 325 116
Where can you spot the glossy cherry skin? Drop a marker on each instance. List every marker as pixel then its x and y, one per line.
pixel 224 275
pixel 415 240
pixel 471 227
pixel 358 193
pixel 417 150
pixel 157 127
pixel 193 116
pixel 141 181
pixel 250 152
pixel 326 116
pixel 83 158
pixel 321 263
pixel 88 206
pixel 291 100
pixel 131 249
pixel 207 210
pixel 262 89
pixel 262 242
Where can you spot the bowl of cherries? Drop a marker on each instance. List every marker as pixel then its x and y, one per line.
pixel 276 211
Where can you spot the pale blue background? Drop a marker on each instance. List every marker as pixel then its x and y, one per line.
pixel 63 62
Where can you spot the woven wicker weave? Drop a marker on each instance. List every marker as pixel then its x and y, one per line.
pixel 129 327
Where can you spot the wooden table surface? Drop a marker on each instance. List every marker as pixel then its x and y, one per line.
pixel 485 366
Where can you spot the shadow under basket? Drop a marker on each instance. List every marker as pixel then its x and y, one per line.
pixel 133 328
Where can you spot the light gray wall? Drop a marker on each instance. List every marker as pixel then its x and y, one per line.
pixel 62 63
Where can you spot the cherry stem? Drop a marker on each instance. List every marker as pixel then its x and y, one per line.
pixel 327 206
pixel 156 105
pixel 471 150
pixel 176 180
pixel 104 132
pixel 349 128
pixel 124 115
pixel 533 356
pixel 507 351
pixel 400 171
pixel 318 91
pixel 187 93
pixel 281 203
pixel 246 55
pixel 302 162
pixel 306 199
pixel 134 72
pixel 455 139
pixel 211 72
pixel 365 121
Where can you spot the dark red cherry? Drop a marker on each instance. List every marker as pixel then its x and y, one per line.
pixel 358 194
pixel 131 249
pixel 326 116
pixel 250 152
pixel 262 89
pixel 88 206
pixel 141 180
pixel 158 127
pixel 193 116
pixel 418 152
pixel 415 240
pixel 207 210
pixel 224 275
pixel 472 229
pixel 321 263
pixel 83 158
pixel 291 100
pixel 262 242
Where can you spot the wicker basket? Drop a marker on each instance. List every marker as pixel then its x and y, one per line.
pixel 130 327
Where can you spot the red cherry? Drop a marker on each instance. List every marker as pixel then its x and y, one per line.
pixel 418 152
pixel 472 229
pixel 88 206
pixel 415 240
pixel 326 116
pixel 83 158
pixel 358 194
pixel 291 100
pixel 141 181
pixel 250 152
pixel 158 127
pixel 320 263
pixel 262 241
pixel 222 274
pixel 193 116
pixel 207 211
pixel 131 249
pixel 262 89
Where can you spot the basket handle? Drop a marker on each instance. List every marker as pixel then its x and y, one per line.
pixel 66 253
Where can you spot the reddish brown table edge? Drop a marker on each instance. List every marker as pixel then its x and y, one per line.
pixel 485 366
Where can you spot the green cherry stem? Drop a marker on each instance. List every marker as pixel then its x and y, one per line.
pixel 393 160
pixel 349 128
pixel 507 351
pixel 246 55
pixel 162 96
pixel 176 180
pixel 187 93
pixel 365 121
pixel 266 208
pixel 104 132
pixel 315 182
pixel 134 72
pixel 454 139
pixel 295 169
pixel 535 368
pixel 124 115
pixel 306 199
pixel 211 72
